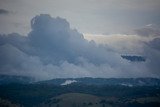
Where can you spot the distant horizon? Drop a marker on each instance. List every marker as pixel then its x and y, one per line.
pixel 85 77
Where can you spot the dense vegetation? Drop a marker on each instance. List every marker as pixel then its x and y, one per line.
pixel 124 92
pixel 34 94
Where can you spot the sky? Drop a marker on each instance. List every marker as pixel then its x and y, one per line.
pixel 88 16
pixel 48 39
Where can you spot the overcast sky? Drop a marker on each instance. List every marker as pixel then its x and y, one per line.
pixel 88 16
pixel 48 39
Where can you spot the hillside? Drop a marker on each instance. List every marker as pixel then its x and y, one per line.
pixel 7 103
pixel 74 100
pixel 87 100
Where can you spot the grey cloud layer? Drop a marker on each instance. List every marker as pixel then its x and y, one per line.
pixel 144 42
pixel 53 50
pixel 152 47
pixel 151 30
pixel 89 16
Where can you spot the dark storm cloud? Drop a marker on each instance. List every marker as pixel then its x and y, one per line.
pixel 152 51
pixel 151 48
pixel 53 50
pixel 58 42
pixel 155 44
pixel 3 11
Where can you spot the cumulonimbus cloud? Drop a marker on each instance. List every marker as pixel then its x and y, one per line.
pixel 53 50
